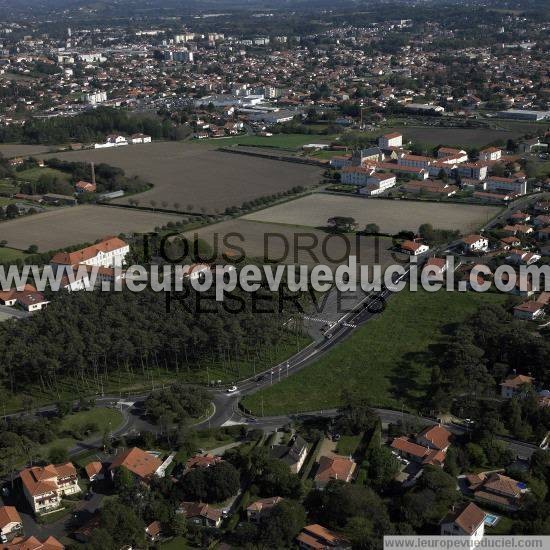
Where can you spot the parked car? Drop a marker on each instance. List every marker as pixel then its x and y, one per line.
pixel 232 389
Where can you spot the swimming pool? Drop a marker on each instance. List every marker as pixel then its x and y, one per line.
pixel 491 520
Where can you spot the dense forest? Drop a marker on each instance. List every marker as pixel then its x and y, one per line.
pixel 88 127
pixel 483 351
pixel 87 337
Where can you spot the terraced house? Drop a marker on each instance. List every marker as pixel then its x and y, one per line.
pixel 45 486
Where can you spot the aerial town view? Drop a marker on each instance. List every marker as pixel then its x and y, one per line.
pixel 274 274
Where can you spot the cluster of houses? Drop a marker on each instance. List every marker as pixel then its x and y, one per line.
pixel 376 169
pixel 118 140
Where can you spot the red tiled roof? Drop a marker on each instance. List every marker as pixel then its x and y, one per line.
pixel 9 514
pixel 109 244
pixel 335 467
pixel 139 462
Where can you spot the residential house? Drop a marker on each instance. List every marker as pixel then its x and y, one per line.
pixel 294 454
pixel 259 509
pixel 435 268
pixel 393 139
pixel 85 187
pixel 32 543
pixel 475 243
pixel 465 521
pixel 334 467
pixel 529 311
pixel 497 490
pixel 201 514
pixel 94 470
pixel 140 138
pixel 317 537
pixel 142 464
pixel 428 447
pixel 154 531
pixel 11 525
pixel 31 301
pixel 202 461
pixel 517 256
pixel 44 486
pixel 509 242
pixel 490 153
pixel 413 248
pixel 515 385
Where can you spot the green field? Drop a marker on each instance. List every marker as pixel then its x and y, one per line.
pixel 104 420
pixel 388 359
pixel 34 174
pixel 10 254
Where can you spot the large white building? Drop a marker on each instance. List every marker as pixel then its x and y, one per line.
pixel 378 183
pixel 356 175
pixel 109 252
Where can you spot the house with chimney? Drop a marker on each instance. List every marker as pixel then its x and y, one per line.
pixel 200 513
pixel 294 454
pixel 45 486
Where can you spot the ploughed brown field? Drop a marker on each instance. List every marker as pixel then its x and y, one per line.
pixel 390 215
pixel 9 150
pixel 192 174
pixel 78 224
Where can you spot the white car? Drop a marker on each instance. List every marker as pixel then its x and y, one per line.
pixel 232 389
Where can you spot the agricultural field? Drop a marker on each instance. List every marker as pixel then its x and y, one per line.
pixel 190 174
pixel 280 243
pixel 78 224
pixel 9 254
pixel 15 150
pixel 390 367
pixel 390 215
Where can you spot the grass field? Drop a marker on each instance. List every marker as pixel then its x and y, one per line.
pixel 195 174
pixel 79 224
pixel 102 418
pixel 9 254
pixel 388 359
pixel 347 445
pixel 34 174
pixel 390 215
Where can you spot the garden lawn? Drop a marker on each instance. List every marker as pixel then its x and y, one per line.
pixel 347 444
pixel 282 141
pixel 33 174
pixel 388 360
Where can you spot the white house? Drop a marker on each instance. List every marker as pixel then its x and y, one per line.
pixel 10 523
pixel 414 249
pixel 514 385
pixel 466 521
pixel 490 153
pixel 140 138
pixel 390 140
pixel 475 243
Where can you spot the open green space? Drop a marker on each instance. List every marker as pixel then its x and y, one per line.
pixel 96 420
pixel 34 174
pixel 388 359
pixel 177 543
pixel 347 444
pixel 10 254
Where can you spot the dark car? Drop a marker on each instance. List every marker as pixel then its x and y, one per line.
pixel 88 496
